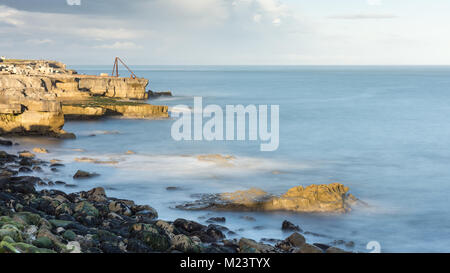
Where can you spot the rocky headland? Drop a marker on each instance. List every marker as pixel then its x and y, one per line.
pixel 36 96
pixel 45 220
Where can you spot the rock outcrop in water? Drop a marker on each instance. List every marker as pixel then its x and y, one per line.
pixel 35 96
pixel 332 198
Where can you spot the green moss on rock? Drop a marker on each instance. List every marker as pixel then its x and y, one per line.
pixel 10 231
pixel 69 235
pixel 43 242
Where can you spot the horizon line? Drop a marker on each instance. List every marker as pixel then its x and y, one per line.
pixel 393 65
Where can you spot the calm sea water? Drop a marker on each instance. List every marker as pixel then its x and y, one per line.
pixel 382 131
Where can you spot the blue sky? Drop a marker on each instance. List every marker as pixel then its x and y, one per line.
pixel 254 32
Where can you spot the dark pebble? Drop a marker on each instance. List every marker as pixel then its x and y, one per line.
pixel 37 169
pixel 216 220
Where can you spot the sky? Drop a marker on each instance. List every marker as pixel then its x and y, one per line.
pixel 228 32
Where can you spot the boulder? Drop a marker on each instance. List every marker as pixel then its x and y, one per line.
pixel 188 226
pixel 120 208
pixel 307 248
pixel 43 242
pixel 152 236
pixel 251 246
pixel 144 211
pixel 185 244
pixel 296 239
pixel 96 195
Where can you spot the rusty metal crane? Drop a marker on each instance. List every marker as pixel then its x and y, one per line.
pixel 116 68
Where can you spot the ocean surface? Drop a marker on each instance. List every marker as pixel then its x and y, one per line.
pixel 382 131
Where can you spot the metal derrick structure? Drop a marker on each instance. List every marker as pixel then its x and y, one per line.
pixel 116 68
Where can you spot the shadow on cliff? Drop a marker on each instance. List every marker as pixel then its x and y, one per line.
pixel 37 130
pixel 108 113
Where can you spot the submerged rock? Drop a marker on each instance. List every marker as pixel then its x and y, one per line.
pixel 153 94
pixel 223 160
pixel 40 150
pixel 95 161
pixel 6 142
pixel 216 220
pixel 82 174
pixel 332 198
pixel 288 226
pixel 26 154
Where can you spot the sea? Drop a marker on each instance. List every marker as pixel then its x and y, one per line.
pixel 383 131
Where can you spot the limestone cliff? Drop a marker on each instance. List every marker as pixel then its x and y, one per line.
pixel 72 87
pixel 32 94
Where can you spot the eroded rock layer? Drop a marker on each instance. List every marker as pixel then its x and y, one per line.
pixel 332 198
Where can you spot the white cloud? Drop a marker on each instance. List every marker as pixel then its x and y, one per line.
pixel 119 45
pixel 73 2
pixel 107 33
pixel 363 16
pixel 40 41
pixel 10 16
pixel 257 18
pixel 271 11
pixel 374 2
pixel 276 21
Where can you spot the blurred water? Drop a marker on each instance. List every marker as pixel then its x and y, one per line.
pixel 382 131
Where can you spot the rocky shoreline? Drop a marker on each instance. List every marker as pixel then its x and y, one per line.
pixel 51 221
